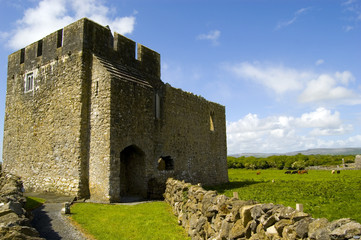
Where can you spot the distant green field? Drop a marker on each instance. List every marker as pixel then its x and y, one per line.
pixel 322 194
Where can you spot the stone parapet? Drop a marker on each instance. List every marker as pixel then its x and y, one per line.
pixel 207 215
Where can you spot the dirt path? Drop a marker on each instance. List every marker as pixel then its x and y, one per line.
pixel 50 223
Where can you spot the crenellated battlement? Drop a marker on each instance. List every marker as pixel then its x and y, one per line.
pixel 86 35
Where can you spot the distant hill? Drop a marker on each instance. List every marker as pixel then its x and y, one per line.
pixel 315 151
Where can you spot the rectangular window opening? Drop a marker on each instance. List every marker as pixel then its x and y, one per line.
pixel 29 82
pixel 59 41
pixel 22 55
pixel 40 48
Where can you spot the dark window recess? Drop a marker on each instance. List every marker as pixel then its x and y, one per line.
pixel 96 88
pixel 157 106
pixel 22 55
pixel 59 41
pixel 40 48
pixel 165 163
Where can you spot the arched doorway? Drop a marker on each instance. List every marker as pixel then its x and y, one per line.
pixel 132 178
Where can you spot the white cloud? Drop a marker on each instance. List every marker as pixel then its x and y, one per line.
pixel 319 62
pixel 51 15
pixel 296 15
pixel 330 88
pixel 277 78
pixel 285 133
pixel 213 36
pixel 309 86
pixel 321 118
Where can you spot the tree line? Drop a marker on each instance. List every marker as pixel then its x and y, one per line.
pixel 298 161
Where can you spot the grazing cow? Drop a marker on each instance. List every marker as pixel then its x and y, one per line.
pixel 294 172
pixel 288 172
pixel 333 172
pixel 338 171
pixel 258 173
pixel 303 172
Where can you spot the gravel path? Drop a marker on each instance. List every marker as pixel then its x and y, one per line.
pixel 50 223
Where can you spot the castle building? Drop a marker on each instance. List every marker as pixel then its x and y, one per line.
pixel 87 117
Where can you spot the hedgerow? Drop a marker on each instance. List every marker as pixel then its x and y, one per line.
pixel 298 161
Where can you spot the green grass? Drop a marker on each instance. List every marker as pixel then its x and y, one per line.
pixel 322 194
pixel 33 202
pixel 143 221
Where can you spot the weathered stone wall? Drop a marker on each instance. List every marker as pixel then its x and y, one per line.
pixel 207 215
pixel 44 141
pixel 14 223
pixel 194 134
pixel 42 127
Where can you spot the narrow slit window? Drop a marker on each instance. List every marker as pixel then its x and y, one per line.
pixel 96 88
pixel 59 42
pixel 157 106
pixel 137 50
pixel 211 121
pixel 22 55
pixel 29 82
pixel 40 48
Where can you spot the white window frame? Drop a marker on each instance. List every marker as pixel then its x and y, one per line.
pixel 29 82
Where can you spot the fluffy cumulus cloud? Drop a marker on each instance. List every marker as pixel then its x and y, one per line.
pixel 330 88
pixel 286 133
pixel 308 86
pixel 51 15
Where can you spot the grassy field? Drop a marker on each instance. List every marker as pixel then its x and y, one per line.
pixel 323 194
pixel 143 221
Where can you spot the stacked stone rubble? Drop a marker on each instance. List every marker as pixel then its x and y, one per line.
pixel 207 215
pixel 14 223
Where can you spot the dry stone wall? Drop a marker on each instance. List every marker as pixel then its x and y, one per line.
pixel 14 221
pixel 207 215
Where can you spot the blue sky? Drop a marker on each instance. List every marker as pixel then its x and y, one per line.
pixel 288 72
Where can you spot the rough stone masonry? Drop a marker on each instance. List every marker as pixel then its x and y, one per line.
pixel 207 215
pixel 85 117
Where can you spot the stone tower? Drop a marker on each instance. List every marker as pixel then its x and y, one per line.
pixel 85 117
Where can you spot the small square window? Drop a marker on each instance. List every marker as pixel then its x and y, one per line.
pixel 29 82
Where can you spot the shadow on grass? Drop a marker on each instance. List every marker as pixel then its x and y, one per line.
pixel 222 188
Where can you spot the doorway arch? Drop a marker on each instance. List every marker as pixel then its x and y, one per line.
pixel 132 172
